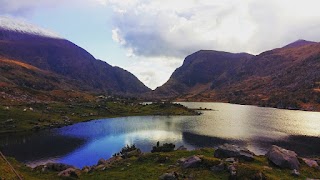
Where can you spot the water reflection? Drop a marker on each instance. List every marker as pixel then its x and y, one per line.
pixel 105 147
pixel 206 141
pixel 38 146
pixel 253 127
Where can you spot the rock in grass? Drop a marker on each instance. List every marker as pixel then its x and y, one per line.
pixel 310 162
pixel 295 173
pixel 101 161
pixel 283 158
pixel 182 148
pixel 54 167
pixel 218 168
pixel 232 170
pixel 168 176
pixel 228 151
pixel 181 161
pixel 230 160
pixel 136 153
pixel 86 169
pixel 191 162
pixel 99 167
pixel 113 159
pixel 70 172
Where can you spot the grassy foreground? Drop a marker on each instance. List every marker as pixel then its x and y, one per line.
pixel 153 165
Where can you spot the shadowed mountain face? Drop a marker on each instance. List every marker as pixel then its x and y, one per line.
pixel 200 69
pixel 287 77
pixel 67 60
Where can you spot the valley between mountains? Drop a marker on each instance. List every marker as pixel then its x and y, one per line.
pixel 286 77
pixel 39 71
pixel 47 82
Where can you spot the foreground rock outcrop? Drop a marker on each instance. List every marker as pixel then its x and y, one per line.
pixel 311 162
pixel 190 162
pixel 70 172
pixel 54 167
pixel 283 158
pixel 228 151
pixel 196 164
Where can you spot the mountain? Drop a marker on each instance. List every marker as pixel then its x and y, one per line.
pixel 298 43
pixel 200 69
pixel 286 77
pixel 46 51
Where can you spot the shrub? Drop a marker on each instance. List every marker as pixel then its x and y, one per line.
pixel 166 147
pixel 128 151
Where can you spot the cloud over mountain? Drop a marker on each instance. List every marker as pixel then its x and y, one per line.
pixel 177 28
pixel 154 32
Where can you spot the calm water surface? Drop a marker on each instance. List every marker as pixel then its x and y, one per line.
pixel 253 127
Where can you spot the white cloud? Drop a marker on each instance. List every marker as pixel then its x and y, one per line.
pixel 153 71
pixel 20 25
pixel 18 7
pixel 26 7
pixel 156 33
pixel 117 37
pixel 177 28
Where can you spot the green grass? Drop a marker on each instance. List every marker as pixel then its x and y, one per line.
pixel 15 119
pixel 24 171
pixel 147 167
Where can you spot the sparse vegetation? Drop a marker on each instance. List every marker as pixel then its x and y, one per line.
pixel 16 117
pixel 166 147
pixel 128 151
pixel 148 166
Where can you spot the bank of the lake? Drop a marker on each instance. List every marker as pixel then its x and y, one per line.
pixel 252 127
pixel 36 116
pixel 204 163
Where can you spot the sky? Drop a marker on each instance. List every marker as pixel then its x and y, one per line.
pixel 151 38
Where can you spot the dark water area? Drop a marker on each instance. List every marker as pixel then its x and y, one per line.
pixel 253 127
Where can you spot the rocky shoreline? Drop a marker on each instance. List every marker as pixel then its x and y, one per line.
pixel 226 158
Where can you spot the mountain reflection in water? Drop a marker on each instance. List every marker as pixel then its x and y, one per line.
pixel 253 127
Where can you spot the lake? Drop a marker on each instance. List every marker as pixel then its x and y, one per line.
pixel 253 127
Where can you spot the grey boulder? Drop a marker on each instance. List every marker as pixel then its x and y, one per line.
pixel 191 162
pixel 283 158
pixel 181 148
pixel 70 172
pixel 310 162
pixel 168 176
pixel 229 150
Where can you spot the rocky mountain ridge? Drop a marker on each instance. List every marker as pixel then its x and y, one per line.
pixel 62 58
pixel 286 77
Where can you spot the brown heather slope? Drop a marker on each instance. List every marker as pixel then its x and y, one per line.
pixel 21 82
pixel 66 59
pixel 287 77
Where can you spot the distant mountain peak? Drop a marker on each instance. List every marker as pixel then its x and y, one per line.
pixel 298 43
pixel 21 26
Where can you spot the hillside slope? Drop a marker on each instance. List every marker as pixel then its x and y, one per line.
pixel 200 69
pixel 287 77
pixel 62 57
